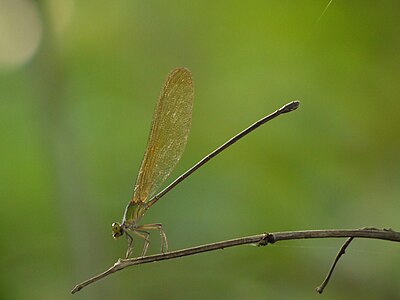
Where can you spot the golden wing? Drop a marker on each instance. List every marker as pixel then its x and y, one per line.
pixel 168 135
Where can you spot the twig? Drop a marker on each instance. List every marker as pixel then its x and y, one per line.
pixel 342 251
pixel 259 240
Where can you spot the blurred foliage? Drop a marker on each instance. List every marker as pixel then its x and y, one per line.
pixel 78 84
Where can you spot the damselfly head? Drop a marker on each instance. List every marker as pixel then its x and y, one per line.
pixel 117 230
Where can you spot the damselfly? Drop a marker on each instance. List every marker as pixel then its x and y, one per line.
pixel 168 136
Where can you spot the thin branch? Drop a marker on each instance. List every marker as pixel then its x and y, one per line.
pixel 258 240
pixel 342 251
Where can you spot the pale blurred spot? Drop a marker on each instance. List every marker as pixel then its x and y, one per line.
pixel 20 33
pixel 61 12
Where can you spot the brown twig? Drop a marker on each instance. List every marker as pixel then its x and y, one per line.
pixel 342 251
pixel 259 240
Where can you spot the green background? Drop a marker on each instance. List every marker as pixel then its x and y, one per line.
pixel 74 122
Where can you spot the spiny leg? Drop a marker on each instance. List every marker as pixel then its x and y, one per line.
pixel 144 235
pixel 157 226
pixel 130 245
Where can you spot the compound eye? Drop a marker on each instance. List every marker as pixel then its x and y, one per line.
pixel 117 231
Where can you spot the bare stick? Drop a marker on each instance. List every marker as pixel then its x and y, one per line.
pixel 259 240
pixel 342 251
pixel 285 109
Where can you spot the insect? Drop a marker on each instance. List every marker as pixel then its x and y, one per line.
pixel 168 137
